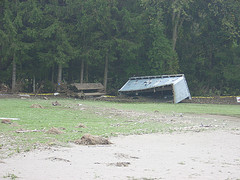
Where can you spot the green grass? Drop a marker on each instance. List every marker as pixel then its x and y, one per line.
pixel 11 176
pixel 69 115
pixel 230 110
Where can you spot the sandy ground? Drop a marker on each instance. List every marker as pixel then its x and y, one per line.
pixel 206 147
pixel 192 155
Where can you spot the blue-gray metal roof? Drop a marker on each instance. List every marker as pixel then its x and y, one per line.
pixel 149 82
pixel 177 82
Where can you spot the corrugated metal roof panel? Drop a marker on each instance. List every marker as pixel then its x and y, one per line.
pixel 178 83
pixel 149 82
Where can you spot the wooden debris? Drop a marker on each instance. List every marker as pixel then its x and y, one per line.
pixel 6 121
pixel 120 164
pixel 81 126
pixel 25 131
pixel 57 159
pixel 56 103
pixel 37 106
pixel 24 95
pixel 10 118
pixel 89 139
pixel 54 130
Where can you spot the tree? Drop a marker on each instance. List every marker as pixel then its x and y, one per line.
pixel 11 35
pixel 162 58
pixel 203 39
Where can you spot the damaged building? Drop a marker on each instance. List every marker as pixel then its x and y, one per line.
pixel 174 86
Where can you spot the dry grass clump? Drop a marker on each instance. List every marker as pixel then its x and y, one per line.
pixel 81 126
pixel 54 130
pixel 37 106
pixel 6 121
pixel 89 139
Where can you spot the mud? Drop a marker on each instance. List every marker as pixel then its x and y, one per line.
pixel 89 139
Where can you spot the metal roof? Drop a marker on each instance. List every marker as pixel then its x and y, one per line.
pixel 149 82
pixel 177 83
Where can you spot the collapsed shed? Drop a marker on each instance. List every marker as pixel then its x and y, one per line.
pixel 88 89
pixel 175 84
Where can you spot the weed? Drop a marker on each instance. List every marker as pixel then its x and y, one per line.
pixel 11 176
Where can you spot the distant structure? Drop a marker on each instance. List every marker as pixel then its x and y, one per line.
pixel 174 85
pixel 88 89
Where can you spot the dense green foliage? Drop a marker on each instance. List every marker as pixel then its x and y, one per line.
pixel 46 42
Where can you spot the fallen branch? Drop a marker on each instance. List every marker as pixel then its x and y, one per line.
pixel 25 131
pixel 10 118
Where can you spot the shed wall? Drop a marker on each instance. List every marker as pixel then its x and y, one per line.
pixel 180 90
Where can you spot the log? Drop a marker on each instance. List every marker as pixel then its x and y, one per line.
pixel 24 131
pixel 14 119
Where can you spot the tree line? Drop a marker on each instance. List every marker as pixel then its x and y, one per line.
pixel 44 43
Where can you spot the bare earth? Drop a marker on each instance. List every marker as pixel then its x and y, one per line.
pixel 204 155
pixel 209 148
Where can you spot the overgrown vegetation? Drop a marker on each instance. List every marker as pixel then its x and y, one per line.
pixel 45 42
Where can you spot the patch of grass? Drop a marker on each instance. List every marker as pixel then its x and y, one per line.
pixel 217 109
pixel 11 176
pixel 94 115
pixel 182 163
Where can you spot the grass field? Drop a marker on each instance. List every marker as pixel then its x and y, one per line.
pixel 100 118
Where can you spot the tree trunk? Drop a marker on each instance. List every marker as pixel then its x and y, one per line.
pixel 105 73
pixel 34 84
pixel 52 78
pixel 14 75
pixel 86 74
pixel 175 21
pixel 59 77
pixel 82 72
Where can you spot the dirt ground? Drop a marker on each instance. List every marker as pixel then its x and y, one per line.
pixel 192 155
pixel 206 147
pixel 208 150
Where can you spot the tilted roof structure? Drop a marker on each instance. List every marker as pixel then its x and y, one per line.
pixel 177 83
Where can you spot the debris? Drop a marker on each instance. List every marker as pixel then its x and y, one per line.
pixel 89 139
pixel 37 106
pixel 58 159
pixel 54 130
pixel 24 131
pixel 24 95
pixel 205 125
pixel 120 164
pixel 81 126
pixel 6 121
pixel 11 118
pixel 56 103
pixel 156 111
pixel 15 125
pixel 121 155
pixel 45 98
pixel 4 88
pixel 2 162
pixel 56 94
